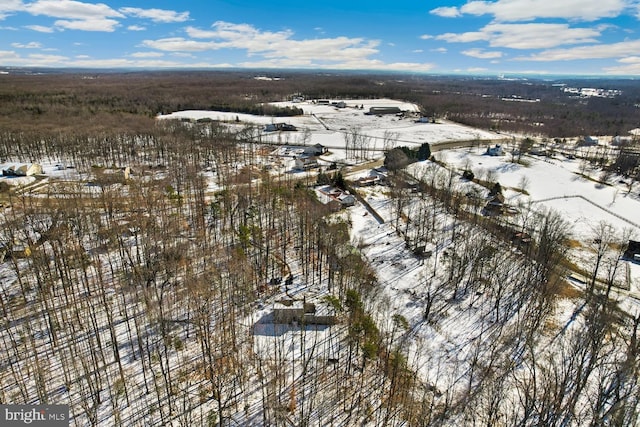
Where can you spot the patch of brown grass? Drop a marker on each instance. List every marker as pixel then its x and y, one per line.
pixel 551 324
pixel 573 244
pixel 567 290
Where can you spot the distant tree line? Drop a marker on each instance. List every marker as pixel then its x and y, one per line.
pixel 82 100
pixel 258 109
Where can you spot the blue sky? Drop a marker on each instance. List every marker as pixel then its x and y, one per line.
pixel 595 37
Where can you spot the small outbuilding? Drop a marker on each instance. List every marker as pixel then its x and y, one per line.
pixel 495 205
pixel 316 150
pixel 495 151
pixel 590 140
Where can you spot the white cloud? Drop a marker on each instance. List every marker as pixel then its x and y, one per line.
pixel 630 60
pixel 147 55
pixel 243 36
pixel 156 15
pixel 6 55
pixel 180 44
pixel 281 50
pixel 379 65
pixel 46 58
pixel 70 9
pixel 621 50
pixel 426 37
pixel 476 70
pixel 525 36
pixel 121 62
pixel 105 25
pixel 527 10
pixel 482 54
pixel 40 28
pixel 77 15
pixel 631 66
pixel 11 58
pixel 141 61
pixel 350 65
pixel 440 50
pixel 136 28
pixel 471 36
pixel 446 12
pixel 417 51
pixel 30 45
pixel 35 60
pixel 182 55
pixel 8 7
pixel 268 44
pixel 626 70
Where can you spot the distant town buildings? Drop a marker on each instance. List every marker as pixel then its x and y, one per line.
pixel 589 92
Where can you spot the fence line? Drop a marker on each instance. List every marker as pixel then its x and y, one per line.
pixel 578 196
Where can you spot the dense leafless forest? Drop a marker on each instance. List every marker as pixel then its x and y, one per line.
pixel 139 300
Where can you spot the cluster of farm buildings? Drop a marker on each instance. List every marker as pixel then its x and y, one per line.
pixel 30 169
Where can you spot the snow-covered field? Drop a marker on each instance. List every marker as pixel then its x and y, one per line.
pixel 555 183
pixel 327 125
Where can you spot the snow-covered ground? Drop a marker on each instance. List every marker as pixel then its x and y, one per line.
pixel 459 328
pixel 549 183
pixel 555 183
pixel 446 329
pixel 328 125
pixel 50 169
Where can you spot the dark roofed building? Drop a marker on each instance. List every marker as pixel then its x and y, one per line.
pixel 495 205
pixel 633 251
pixel 275 127
pixel 316 150
pixel 384 110
pixel 290 311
